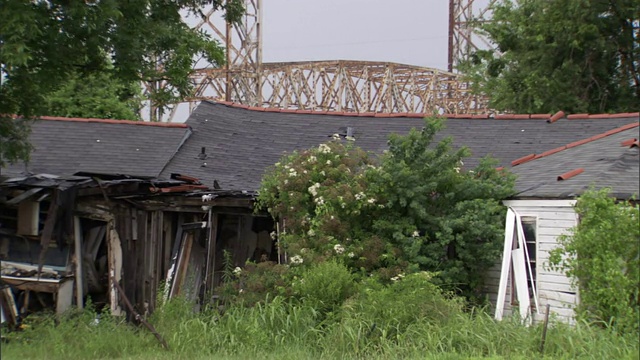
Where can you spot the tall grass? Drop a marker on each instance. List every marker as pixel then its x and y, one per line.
pixel 286 329
pixel 323 319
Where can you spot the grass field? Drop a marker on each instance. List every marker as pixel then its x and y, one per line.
pixel 283 329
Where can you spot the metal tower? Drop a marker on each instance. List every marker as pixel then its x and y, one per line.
pixel 355 86
pixel 464 39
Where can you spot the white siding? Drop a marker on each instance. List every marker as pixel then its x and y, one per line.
pixel 554 288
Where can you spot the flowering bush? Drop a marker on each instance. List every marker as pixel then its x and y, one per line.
pixel 411 209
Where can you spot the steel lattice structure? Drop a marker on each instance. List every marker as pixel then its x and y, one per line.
pixel 337 85
pixel 464 38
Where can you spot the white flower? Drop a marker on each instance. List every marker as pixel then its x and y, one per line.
pixel 319 200
pixel 324 148
pixel 296 260
pixel 313 189
pixel 343 205
pixel 237 271
pixel 292 172
pixel 371 200
pixel 286 181
pixel 241 291
pixel 311 232
pixel 339 249
pixel 277 164
pixel 360 196
pixel 457 169
pixel 350 138
pixel 335 136
pixel 273 235
pixel 395 278
pixel 415 234
pixel 328 162
pixel 323 173
pixel 312 159
pixel 351 255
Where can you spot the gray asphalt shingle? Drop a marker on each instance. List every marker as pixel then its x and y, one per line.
pixel 241 143
pixel 64 147
pixel 605 161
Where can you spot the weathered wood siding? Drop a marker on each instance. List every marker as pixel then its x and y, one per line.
pixel 553 218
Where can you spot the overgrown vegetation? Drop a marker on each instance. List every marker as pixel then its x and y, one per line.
pixel 415 208
pixel 573 55
pixel 602 256
pixel 410 318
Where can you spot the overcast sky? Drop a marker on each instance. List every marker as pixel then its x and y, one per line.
pixel 412 32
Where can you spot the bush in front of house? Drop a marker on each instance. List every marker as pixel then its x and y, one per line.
pixel 602 256
pixel 411 209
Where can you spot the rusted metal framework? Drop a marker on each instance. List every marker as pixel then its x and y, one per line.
pixel 335 85
pixel 339 85
pixel 464 37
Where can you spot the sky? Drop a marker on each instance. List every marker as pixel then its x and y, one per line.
pixel 411 32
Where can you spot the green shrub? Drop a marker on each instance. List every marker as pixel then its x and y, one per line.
pixel 255 282
pixel 325 286
pixel 411 209
pixel 408 300
pixel 602 256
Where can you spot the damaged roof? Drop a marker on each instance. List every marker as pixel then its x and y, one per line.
pixel 608 160
pixel 235 144
pixel 65 146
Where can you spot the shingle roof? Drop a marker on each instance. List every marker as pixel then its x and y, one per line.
pixel 242 142
pixel 64 146
pixel 604 161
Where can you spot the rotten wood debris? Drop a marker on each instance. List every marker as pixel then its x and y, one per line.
pixel 106 237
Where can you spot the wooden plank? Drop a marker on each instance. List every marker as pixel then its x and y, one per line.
pixel 553 278
pixel 77 231
pixel 28 218
pixel 47 231
pixel 211 251
pixel 183 263
pixel 23 196
pixel 167 233
pixel 506 261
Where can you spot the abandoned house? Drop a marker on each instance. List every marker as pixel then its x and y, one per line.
pixel 113 209
pixel 542 210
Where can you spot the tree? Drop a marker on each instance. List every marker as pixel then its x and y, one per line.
pixel 572 55
pixel 45 43
pixel 412 209
pixel 96 96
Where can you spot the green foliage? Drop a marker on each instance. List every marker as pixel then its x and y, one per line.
pixel 409 300
pixel 46 43
pixel 325 286
pixel 95 96
pixel 280 329
pixel 416 210
pixel 602 255
pixel 256 282
pixel 572 55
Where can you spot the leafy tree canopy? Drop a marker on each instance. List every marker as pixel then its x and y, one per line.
pixel 413 209
pixel 96 95
pixel 572 55
pixel 46 44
